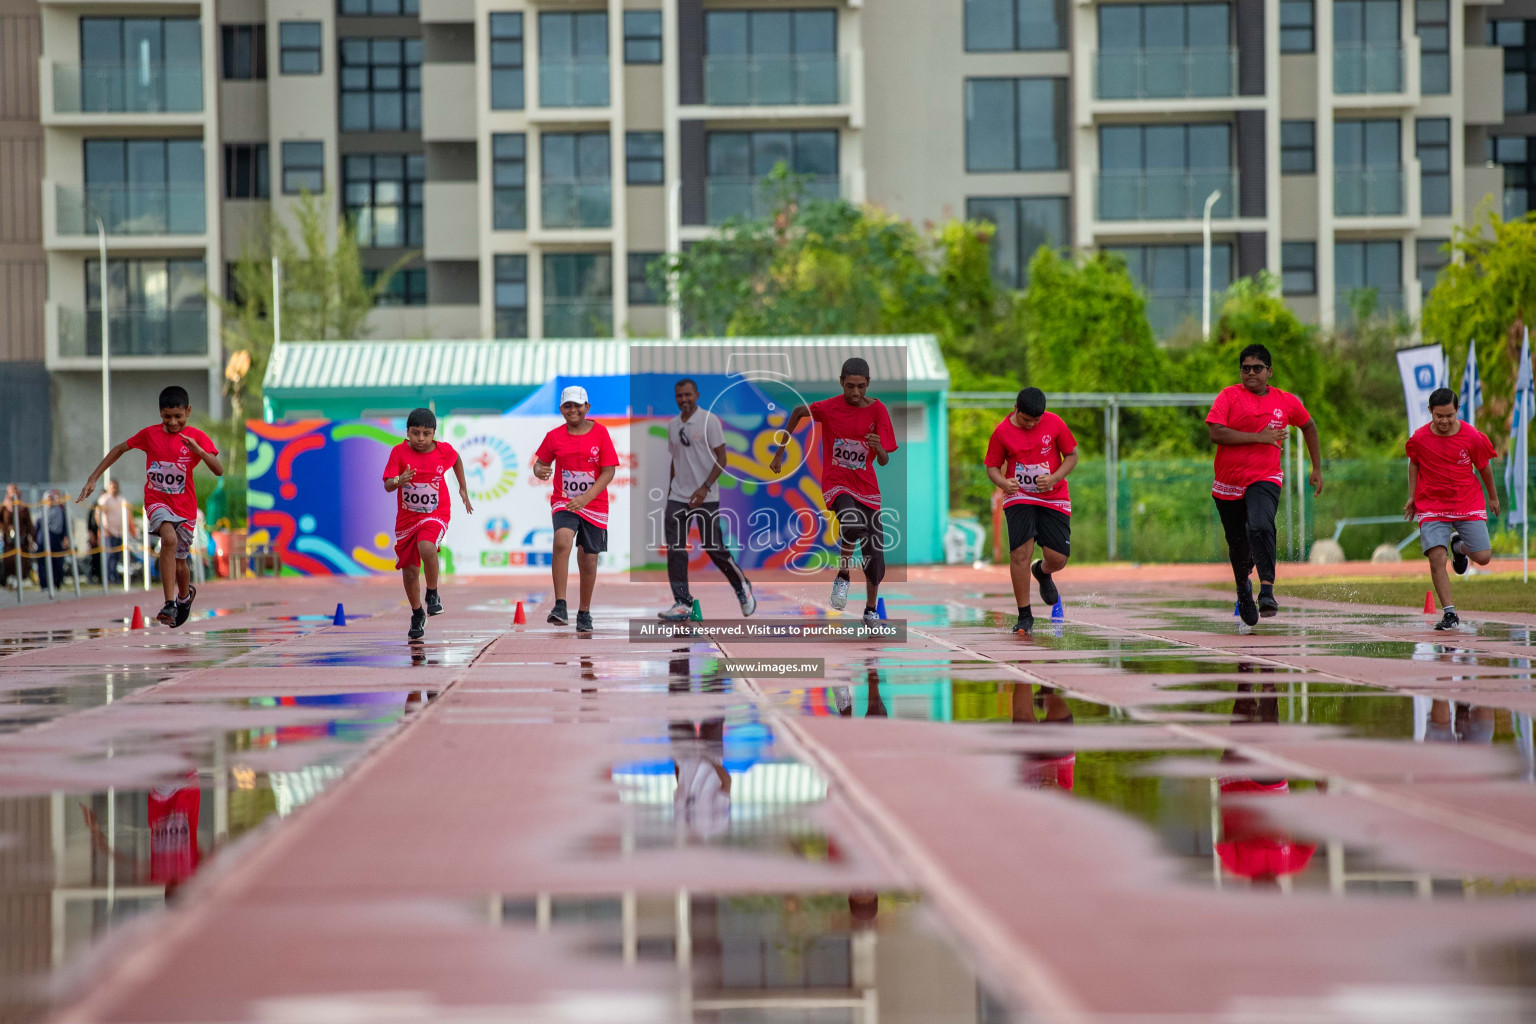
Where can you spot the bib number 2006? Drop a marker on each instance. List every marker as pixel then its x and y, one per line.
pixel 1029 476
pixel 850 454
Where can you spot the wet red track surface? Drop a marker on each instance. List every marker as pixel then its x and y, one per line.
pixel 1140 812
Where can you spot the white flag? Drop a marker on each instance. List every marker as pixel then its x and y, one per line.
pixel 1423 370
pixel 1471 387
pixel 1519 430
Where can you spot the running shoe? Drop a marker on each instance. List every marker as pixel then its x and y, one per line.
pixel 1245 606
pixel 584 622
pixel 434 603
pixel 418 624
pixel 1268 606
pixel 558 615
pixel 1048 592
pixel 747 598
pixel 871 617
pixel 1450 620
pixel 184 608
pixel 679 612
pixel 167 616
pixel 1026 623
pixel 839 598
pixel 1458 562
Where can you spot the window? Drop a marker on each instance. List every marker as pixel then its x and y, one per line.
pixel 1173 278
pixel 768 58
pixel 1015 25
pixel 145 186
pixel 1368 173
pixel 1431 257
pixel 383 195
pixel 380 85
pixel 511 296
pixel 507 61
pixel 509 182
pixel 1023 225
pixel 578 295
pixel 1298 268
pixel 378 8
pixel 1432 138
pixel 405 287
pixel 148 65
pixel 642 37
pixel 1509 151
pixel 1367 46
pixel 158 306
pixel 1358 266
pixel 299 47
pixel 1149 51
pixel 1519 60
pixel 1296 28
pixel 643 158
pixel 1298 150
pixel 640 291
pixel 738 162
pixel 573 59
pixel 303 168
pixel 245 52
pixel 577 188
pixel 1434 29
pixel 1164 172
pixel 1015 124
pixel 246 173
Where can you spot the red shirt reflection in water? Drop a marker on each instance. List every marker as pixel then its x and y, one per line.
pixel 1250 848
pixel 173 852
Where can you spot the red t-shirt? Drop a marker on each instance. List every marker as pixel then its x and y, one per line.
pixel 847 464
pixel 1027 455
pixel 1238 466
pixel 1448 488
pixel 173 811
pixel 578 459
pixel 426 496
pixel 168 469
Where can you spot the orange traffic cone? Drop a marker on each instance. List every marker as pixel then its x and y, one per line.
pixel 138 618
pixel 1429 602
pixel 519 618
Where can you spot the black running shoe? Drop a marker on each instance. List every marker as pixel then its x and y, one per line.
pixel 583 622
pixel 1268 606
pixel 1026 623
pixel 434 603
pixel 1458 562
pixel 1450 620
pixel 1246 609
pixel 1049 595
pixel 418 624
pixel 167 616
pixel 184 608
pixel 558 616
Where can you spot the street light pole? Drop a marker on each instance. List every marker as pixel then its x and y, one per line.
pixel 106 350
pixel 277 302
pixel 1205 293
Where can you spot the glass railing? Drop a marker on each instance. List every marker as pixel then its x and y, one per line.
pixel 1165 195
pixel 573 82
pixel 1165 74
pixel 577 206
pixel 1170 310
pixel 727 197
pixel 1365 69
pixel 134 331
pixel 1388 302
pixel 762 81
pixel 578 318
pixel 128 210
pixel 1368 191
pixel 145 88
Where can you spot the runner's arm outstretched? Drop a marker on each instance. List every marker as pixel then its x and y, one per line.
pixel 118 451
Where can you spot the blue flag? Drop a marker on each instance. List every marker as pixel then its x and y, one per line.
pixel 1471 388
pixel 1519 451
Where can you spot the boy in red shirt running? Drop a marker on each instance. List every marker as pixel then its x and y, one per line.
pixel 418 471
pixel 583 453
pixel 856 436
pixel 172 450
pixel 1029 456
pixel 1444 497
pixel 1247 423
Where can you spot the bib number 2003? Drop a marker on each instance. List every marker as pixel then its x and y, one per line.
pixel 419 497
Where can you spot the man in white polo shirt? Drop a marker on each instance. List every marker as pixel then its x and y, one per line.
pixel 696 443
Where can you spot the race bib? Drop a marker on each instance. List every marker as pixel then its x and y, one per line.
pixel 167 477
pixel 574 483
pixel 1030 475
pixel 419 498
pixel 850 454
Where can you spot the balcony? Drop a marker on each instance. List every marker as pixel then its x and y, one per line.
pixel 142 88
pixel 567 205
pixel 1165 74
pixel 1164 195
pixel 778 81
pixel 573 82
pixel 135 331
pixel 129 210
pixel 1169 309
pixel 1368 192
pixel 1382 303
pixel 578 318
pixel 1368 70
pixel 726 197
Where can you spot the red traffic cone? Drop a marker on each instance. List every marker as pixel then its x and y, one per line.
pixel 138 618
pixel 519 617
pixel 1429 602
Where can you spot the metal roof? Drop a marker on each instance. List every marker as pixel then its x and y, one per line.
pixel 389 365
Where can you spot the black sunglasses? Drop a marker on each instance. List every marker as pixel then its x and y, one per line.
pixel 1254 367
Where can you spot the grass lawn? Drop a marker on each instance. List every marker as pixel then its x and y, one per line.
pixel 1495 592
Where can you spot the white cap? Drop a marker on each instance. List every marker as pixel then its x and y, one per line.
pixel 575 393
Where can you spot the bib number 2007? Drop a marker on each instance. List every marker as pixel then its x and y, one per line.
pixel 576 483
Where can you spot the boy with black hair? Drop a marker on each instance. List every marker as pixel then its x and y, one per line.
pixel 172 450
pixel 418 471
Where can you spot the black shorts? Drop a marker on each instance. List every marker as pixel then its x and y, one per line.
pixel 1052 529
pixel 589 538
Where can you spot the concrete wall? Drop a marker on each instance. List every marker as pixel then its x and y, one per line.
pixel 77 441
